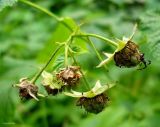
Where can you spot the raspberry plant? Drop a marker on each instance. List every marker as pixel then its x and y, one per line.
pixel 64 80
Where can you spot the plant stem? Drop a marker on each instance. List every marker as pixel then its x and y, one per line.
pixel 40 72
pixel 99 37
pixel 97 53
pixel 59 19
pixel 41 8
pixel 67 44
pixel 83 76
pixel 66 56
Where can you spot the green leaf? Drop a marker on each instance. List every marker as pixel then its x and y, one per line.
pixel 60 35
pixel 50 80
pixel 5 3
pixel 79 46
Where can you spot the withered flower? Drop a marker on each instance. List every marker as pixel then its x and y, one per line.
pixel 69 75
pixel 51 84
pixel 27 90
pixel 93 101
pixel 127 54
pixel 95 104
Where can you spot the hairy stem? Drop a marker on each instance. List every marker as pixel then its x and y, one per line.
pixel 48 62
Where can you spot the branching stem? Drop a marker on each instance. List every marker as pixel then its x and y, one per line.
pixel 48 62
pixel 59 19
pixel 83 76
pixel 108 41
pixel 97 53
pixel 69 40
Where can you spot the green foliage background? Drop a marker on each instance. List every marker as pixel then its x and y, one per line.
pixel 27 38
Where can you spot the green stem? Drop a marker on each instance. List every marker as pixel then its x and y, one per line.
pixel 41 8
pixel 40 72
pixel 83 76
pixel 59 19
pixel 99 37
pixel 66 55
pixel 97 53
pixel 67 44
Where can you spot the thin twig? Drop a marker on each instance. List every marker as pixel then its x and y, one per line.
pixel 108 41
pixel 40 72
pixel 83 76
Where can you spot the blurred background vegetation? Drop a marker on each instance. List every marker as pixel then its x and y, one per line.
pixel 27 38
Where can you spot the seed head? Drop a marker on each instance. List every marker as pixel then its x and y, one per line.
pixel 93 101
pixel 70 76
pixel 27 90
pixel 126 55
pixel 93 105
pixel 129 56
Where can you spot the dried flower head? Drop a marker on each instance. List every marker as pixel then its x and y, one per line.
pixel 27 90
pixel 93 101
pixel 95 104
pixel 69 75
pixel 51 84
pixel 127 54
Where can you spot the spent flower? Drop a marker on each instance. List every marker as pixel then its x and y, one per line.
pixel 93 101
pixel 70 75
pixel 27 90
pixel 127 54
